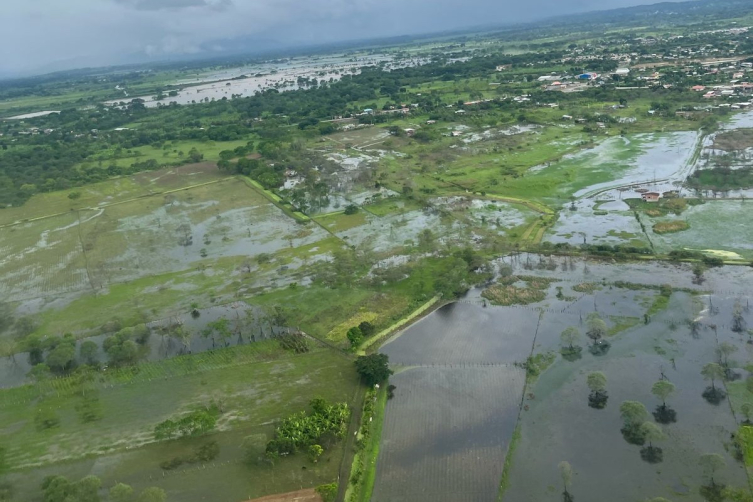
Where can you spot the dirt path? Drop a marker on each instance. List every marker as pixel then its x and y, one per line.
pixel 308 495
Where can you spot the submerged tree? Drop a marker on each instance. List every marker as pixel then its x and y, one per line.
pixel 633 414
pixel 663 413
pixel 711 463
pixel 569 338
pixel 652 433
pixel 723 351
pixel 738 321
pixel 596 331
pixel 598 397
pixel 566 472
pixel 713 372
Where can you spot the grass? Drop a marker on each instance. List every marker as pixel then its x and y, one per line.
pixel 388 206
pixel 660 303
pixel 505 481
pixel 745 435
pixel 113 191
pixel 338 334
pixel 339 222
pixel 512 295
pixel 621 323
pixel 169 154
pixel 256 383
pixel 668 227
pixel 364 462
pixel 276 200
pixel 587 287
pixel 399 324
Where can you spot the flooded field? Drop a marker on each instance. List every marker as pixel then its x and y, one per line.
pixel 288 75
pixel 651 334
pixel 446 432
pixel 92 249
pixel 447 429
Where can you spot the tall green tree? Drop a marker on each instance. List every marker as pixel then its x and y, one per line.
pixel 373 369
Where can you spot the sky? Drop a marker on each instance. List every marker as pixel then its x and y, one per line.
pixel 47 35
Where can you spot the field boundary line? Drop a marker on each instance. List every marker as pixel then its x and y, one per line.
pixel 275 199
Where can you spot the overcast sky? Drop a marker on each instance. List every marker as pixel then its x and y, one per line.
pixel 39 35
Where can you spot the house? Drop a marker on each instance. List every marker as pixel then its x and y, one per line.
pixel 431 122
pixel 567 117
pixel 650 196
pixel 455 134
pixel 622 71
pixel 410 132
pixel 699 88
pixel 368 111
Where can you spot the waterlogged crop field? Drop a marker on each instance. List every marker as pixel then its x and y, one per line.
pixel 720 227
pixel 256 386
pixel 446 432
pixel 650 333
pixel 448 428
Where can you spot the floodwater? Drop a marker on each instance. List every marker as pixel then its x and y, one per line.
pixel 430 445
pixel 446 433
pixel 283 76
pixel 448 428
pixel 488 335
pixel 606 467
pixel 13 371
pixel 33 115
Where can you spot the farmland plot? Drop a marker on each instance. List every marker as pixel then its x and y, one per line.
pixel 169 234
pixel 41 257
pixel 446 433
pixel 463 333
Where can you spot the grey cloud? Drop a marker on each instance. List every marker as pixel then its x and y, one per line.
pixel 156 5
pixel 74 33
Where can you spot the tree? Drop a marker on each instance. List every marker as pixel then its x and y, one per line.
pixel 713 372
pixel 633 413
pixel 737 495
pixel 374 368
pixel 651 433
pixel 596 381
pixel 355 336
pixel 711 463
pixel 566 472
pixel 61 358
pixel 662 390
pixel 597 328
pixel 87 489
pixel 569 336
pixel 723 351
pixel 153 494
pixel 88 352
pixel 315 451
pixel 328 493
pixel 367 329
pixel 195 156
pixel 121 493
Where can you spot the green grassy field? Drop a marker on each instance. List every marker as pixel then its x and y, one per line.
pixel 256 385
